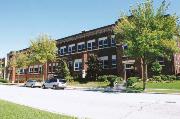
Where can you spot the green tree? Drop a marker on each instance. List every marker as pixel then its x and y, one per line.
pixel 1 68
pixel 156 68
pixel 62 70
pixel 21 61
pixel 42 50
pixel 94 68
pixel 148 32
pixel 18 60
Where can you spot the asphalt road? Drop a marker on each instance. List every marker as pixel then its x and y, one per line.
pixel 96 105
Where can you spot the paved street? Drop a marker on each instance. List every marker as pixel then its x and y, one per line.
pixel 96 105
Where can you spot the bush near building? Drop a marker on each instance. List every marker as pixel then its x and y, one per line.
pixel 110 78
pixel 3 81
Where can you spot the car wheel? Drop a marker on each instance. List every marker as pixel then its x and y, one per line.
pixel 43 86
pixel 54 87
pixel 32 86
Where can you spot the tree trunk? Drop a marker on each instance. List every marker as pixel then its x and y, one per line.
pixel 144 63
pixel 44 71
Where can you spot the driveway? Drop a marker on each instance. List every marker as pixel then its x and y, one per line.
pixel 96 105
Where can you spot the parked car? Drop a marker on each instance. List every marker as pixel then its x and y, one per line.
pixel 33 83
pixel 55 83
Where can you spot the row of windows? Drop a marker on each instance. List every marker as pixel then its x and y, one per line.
pixel 77 65
pixel 91 45
pixel 104 61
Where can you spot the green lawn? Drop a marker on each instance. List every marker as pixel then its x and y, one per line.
pixel 89 84
pixel 161 87
pixel 10 110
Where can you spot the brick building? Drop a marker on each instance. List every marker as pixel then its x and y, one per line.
pixel 2 67
pixel 101 42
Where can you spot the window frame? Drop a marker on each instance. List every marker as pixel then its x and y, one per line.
pixel 78 62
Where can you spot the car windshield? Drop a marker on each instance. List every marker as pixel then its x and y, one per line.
pixel 62 80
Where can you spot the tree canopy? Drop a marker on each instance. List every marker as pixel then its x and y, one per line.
pixel 148 32
pixel 43 49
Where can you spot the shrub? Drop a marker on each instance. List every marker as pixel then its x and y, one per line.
pixel 131 81
pixel 69 78
pixel 110 78
pixel 157 78
pixel 171 78
pixel 3 81
pixel 156 68
pixel 102 78
pixel 20 81
pixel 164 77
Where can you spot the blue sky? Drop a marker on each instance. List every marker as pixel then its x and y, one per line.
pixel 23 20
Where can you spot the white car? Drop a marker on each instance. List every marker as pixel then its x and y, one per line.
pixel 33 83
pixel 54 83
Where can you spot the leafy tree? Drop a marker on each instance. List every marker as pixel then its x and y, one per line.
pixel 42 50
pixel 156 68
pixel 1 68
pixel 148 32
pixel 62 70
pixel 22 60
pixel 19 60
pixel 94 68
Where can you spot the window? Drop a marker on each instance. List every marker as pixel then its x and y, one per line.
pixel 71 48
pixel 81 46
pixel 103 42
pixel 104 62
pixel 129 66
pixel 49 68
pixel 22 71
pixel 125 47
pixel 40 68
pixel 31 69
pixel 100 43
pixel 63 50
pixel 77 64
pixel 54 67
pixel 91 45
pixel 113 41
pixel 114 61
pixel 36 69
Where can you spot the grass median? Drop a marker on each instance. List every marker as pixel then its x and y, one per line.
pixel 10 110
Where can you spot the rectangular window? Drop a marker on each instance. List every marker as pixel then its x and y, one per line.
pixel 104 62
pixel 91 45
pixel 81 46
pixel 71 48
pixel 113 41
pixel 63 50
pixel 54 67
pixel 22 71
pixel 31 70
pixel 125 47
pixel 40 68
pixel 129 66
pixel 114 61
pixel 100 43
pixel 49 68
pixel 103 42
pixel 78 65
